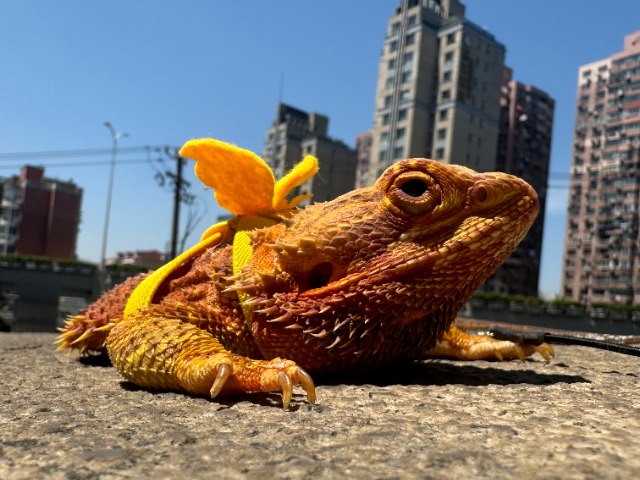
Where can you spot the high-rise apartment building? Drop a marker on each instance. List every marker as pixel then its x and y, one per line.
pixel 363 148
pixel 601 261
pixel 438 93
pixel 39 216
pixel 524 148
pixel 295 134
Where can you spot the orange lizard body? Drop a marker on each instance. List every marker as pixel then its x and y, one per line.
pixel 373 276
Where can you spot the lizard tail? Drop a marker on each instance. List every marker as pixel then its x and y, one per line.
pixel 88 331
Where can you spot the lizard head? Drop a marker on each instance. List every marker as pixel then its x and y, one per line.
pixel 422 239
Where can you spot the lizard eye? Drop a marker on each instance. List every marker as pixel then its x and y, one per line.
pixel 414 192
pixel 414 188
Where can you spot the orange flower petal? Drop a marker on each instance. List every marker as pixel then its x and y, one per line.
pixel 243 183
pixel 302 172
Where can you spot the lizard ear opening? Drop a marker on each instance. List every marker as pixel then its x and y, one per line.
pixel 320 275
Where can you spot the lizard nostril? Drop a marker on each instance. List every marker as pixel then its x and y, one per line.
pixel 481 194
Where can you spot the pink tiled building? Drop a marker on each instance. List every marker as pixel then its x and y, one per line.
pixel 601 249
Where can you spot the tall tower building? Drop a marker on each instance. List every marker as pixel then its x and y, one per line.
pixel 524 148
pixel 39 215
pixel 363 147
pixel 294 134
pixel 438 93
pixel 601 244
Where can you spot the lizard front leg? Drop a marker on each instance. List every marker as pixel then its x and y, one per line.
pixel 465 346
pixel 164 353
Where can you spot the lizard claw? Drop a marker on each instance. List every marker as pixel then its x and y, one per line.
pixel 287 389
pixel 224 370
pixel 284 379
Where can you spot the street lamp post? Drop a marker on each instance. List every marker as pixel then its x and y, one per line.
pixel 114 136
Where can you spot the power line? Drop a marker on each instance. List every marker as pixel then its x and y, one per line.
pixel 107 151
pixel 87 152
pixel 81 164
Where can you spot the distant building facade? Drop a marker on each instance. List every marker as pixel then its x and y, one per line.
pixel 363 147
pixel 294 134
pixel 601 242
pixel 151 259
pixel 39 216
pixel 524 149
pixel 438 93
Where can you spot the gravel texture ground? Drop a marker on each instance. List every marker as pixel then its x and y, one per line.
pixel 577 417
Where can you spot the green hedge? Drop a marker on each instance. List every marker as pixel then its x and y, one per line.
pixel 39 259
pixel 616 307
pixel 558 303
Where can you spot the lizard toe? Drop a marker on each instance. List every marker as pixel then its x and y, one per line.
pixel 284 376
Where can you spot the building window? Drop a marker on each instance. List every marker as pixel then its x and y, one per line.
pixel 382 155
pixel 446 77
pixel 393 46
pixel 479 142
pixel 278 148
pixel 439 153
pixel 387 100
pixel 477 161
pixel 470 138
pixel 408 57
pixel 451 38
pixel 448 58
pixel 586 73
pixel 395 27
pixel 404 95
pixel 392 64
pixel 406 76
pixel 444 114
pixel 602 69
pixel 400 134
pixel 471 119
pixel 486 67
pixel 446 95
pixel 442 134
pixel 385 119
pixel 384 139
pixel 389 83
pixel 411 39
pixel 402 114
pixel 397 152
pixel 412 20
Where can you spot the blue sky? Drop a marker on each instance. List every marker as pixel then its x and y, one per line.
pixel 166 72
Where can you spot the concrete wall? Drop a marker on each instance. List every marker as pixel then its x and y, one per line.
pixel 39 286
pixel 578 319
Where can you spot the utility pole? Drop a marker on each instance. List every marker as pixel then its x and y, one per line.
pixel 105 231
pixel 178 184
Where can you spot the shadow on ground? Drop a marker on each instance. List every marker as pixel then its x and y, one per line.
pixel 426 373
pixel 438 373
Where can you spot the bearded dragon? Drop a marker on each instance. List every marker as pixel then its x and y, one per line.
pixel 279 293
